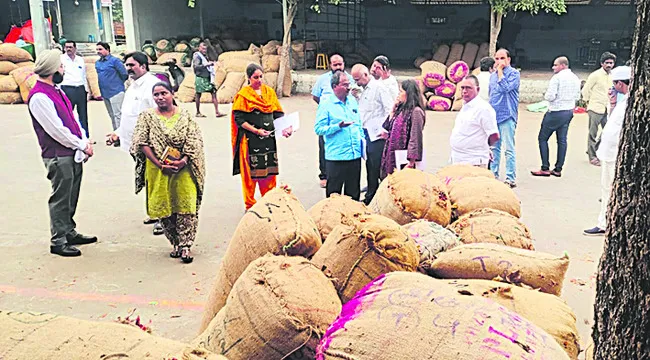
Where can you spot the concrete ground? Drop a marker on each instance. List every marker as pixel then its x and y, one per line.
pixel 129 268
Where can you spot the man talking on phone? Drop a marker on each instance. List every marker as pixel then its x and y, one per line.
pixel 338 121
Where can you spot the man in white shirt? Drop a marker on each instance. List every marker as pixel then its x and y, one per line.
pixel 380 70
pixel 64 148
pixel 75 83
pixel 375 105
pixel 562 94
pixel 475 129
pixel 609 144
pixel 487 68
pixel 137 98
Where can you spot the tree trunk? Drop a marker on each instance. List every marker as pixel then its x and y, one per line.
pixel 622 310
pixel 285 61
pixel 496 19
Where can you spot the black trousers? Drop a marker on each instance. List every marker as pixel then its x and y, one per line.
pixel 554 122
pixel 344 173
pixel 322 163
pixel 374 152
pixel 78 98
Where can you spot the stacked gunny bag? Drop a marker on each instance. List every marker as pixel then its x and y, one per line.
pixel 16 74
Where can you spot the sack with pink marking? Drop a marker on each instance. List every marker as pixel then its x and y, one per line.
pixel 457 71
pixel 446 89
pixel 439 103
pixel 433 80
pixel 404 315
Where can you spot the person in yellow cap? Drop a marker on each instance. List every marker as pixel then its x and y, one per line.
pixel 64 149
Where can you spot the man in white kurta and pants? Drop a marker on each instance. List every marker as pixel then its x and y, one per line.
pixel 609 143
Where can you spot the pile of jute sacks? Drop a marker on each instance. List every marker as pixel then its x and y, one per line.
pixel 15 67
pixel 436 267
pixel 230 73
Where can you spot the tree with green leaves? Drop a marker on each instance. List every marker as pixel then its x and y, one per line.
pixel 500 8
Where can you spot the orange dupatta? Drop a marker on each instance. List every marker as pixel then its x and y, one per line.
pixel 247 100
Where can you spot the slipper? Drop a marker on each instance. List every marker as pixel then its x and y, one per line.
pixel 149 221
pixel 199 115
pixel 176 253
pixel 158 229
pixel 185 255
pixel 220 115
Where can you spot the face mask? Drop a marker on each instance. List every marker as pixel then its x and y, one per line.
pixel 57 78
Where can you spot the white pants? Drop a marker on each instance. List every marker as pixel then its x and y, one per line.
pixel 114 107
pixel 607 170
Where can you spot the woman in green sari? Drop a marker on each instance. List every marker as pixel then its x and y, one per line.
pixel 168 148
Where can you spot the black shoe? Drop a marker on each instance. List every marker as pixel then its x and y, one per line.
pixel 556 173
pixel 65 250
pixel 81 239
pixel 116 143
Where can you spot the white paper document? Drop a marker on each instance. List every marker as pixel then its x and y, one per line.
pixel 400 159
pixel 364 149
pixel 290 120
pixel 375 132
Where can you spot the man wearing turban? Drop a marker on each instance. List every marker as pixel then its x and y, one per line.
pixel 64 148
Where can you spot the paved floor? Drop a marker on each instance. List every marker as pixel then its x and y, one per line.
pixel 129 268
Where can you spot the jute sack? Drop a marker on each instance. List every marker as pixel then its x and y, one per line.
pixel 271 63
pixel 14 54
pixel 483 51
pixel 30 336
pixel 93 81
pixel 355 254
pixel 8 84
pixel 186 91
pixel 431 239
pixel 433 67
pixel 277 224
pixel 8 98
pixel 472 193
pixel 178 56
pixel 270 49
pixel 279 305
pixel 6 67
pixel 516 266
pixel 413 316
pixel 549 312
pixel 26 79
pixel 271 80
pixel 492 226
pixel 230 87
pixel 412 194
pixel 458 171
pixel 457 105
pixel 26 63
pixel 441 54
pixel 238 61
pixel 90 59
pixel 333 211
pixel 469 53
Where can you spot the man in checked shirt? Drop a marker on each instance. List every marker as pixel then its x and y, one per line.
pixel 562 93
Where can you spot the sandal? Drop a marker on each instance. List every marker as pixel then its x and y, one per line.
pixel 186 255
pixel 158 229
pixel 199 115
pixel 176 253
pixel 220 115
pixel 149 221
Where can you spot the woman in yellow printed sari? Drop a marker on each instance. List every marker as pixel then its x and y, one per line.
pixel 168 148
pixel 253 135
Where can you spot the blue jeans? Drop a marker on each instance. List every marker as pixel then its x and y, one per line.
pixel 554 122
pixel 507 136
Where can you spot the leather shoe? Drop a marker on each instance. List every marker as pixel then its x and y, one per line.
pixel 544 173
pixel 65 250
pixel 556 173
pixel 81 239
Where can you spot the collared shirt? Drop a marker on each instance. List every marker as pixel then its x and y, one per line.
pixel 375 104
pixel 475 122
pixel 137 98
pixel 484 85
pixel 341 143
pixel 392 86
pixel 563 91
pixel 112 75
pixel 323 86
pixel 596 89
pixel 44 112
pixel 75 71
pixel 611 135
pixel 504 94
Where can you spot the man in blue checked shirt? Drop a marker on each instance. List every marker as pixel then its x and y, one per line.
pixel 338 122
pixel 112 74
pixel 504 98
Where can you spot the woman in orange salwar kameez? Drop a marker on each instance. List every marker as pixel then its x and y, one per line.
pixel 253 135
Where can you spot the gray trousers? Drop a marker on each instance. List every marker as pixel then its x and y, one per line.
pixel 114 107
pixel 65 175
pixel 593 141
